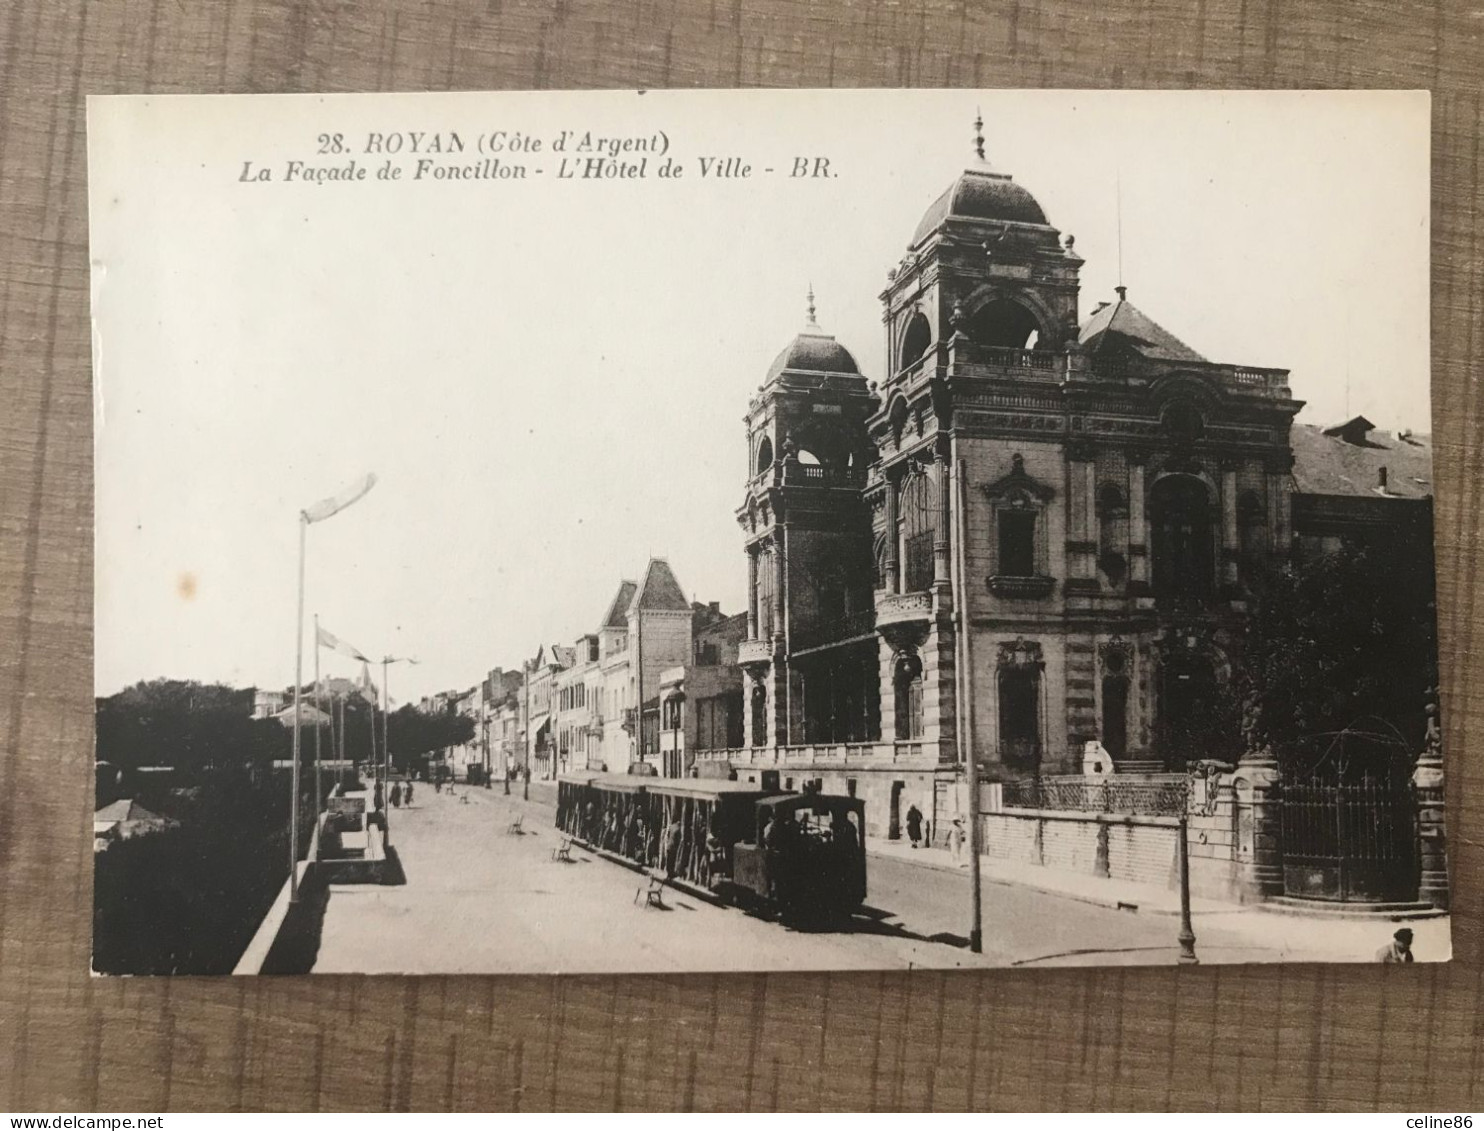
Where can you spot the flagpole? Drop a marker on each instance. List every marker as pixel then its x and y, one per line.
pixel 319 706
pixel 298 720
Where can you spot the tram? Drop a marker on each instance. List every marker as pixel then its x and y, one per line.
pixel 798 854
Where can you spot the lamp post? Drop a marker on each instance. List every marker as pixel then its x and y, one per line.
pixel 325 508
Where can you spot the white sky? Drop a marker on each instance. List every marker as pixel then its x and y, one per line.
pixel 549 376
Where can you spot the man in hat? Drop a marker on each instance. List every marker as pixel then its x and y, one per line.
pixel 956 838
pixel 1399 949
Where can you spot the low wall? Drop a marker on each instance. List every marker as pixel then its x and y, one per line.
pixel 1120 847
pixel 1131 847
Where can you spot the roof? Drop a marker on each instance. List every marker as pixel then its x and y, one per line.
pixel 659 590
pixel 309 715
pixel 125 810
pixel 979 194
pixel 1122 322
pixel 814 351
pixel 615 617
pixel 1326 464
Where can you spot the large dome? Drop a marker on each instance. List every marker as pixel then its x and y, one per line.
pixel 980 195
pixel 816 352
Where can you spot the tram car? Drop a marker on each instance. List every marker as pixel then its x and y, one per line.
pixel 798 854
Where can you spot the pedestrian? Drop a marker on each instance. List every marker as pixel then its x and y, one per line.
pixel 914 825
pixel 396 795
pixel 956 840
pixel 1399 949
pixel 377 798
pixel 407 797
pixel 673 835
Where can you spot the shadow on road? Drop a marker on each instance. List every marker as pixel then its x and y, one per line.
pixel 865 921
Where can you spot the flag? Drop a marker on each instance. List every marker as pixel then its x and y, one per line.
pixel 328 639
pixel 368 689
pixel 327 508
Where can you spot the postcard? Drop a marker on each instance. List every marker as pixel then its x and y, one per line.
pixel 656 531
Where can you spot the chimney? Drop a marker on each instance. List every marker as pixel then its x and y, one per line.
pixel 716 607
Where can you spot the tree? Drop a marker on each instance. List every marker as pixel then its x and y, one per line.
pixel 1344 645
pixel 413 733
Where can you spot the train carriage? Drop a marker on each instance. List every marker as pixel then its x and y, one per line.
pixel 797 853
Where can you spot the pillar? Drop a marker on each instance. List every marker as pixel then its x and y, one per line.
pixel 1280 488
pixel 1428 782
pixel 1082 543
pixel 1138 524
pixel 1229 546
pixel 780 569
pixel 942 586
pixel 893 584
pixel 1259 849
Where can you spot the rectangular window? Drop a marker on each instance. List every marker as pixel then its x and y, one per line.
pixel 1017 544
pixel 1020 717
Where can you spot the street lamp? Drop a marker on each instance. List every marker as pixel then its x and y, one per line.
pixel 325 508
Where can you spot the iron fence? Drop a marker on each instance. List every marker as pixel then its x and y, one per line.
pixel 1142 797
pixel 1350 841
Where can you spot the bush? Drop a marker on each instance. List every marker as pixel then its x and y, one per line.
pixel 188 900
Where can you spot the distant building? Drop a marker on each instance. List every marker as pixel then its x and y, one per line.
pixel 123 819
pixel 701 700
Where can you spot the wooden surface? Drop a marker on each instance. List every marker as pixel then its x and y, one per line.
pixel 1301 1037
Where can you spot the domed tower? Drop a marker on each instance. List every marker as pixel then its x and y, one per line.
pixel 810 649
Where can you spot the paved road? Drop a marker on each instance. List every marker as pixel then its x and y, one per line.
pixel 477 900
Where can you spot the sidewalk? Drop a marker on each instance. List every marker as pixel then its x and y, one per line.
pixel 1124 895
pixel 1262 934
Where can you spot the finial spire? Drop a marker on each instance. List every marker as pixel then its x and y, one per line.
pixel 811 304
pixel 978 134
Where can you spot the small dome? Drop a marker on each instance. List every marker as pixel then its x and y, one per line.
pixel 816 352
pixel 980 195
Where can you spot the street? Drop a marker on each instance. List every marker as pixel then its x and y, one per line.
pixel 480 900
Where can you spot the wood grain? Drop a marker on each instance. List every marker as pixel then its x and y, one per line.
pixel 1297 1037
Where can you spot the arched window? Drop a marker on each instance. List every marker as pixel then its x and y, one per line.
pixel 1115 701
pixel 765 593
pixel 917 518
pixel 1019 704
pixel 1004 324
pixel 907 678
pixel 764 455
pixel 1112 511
pixel 1184 557
pixel 916 339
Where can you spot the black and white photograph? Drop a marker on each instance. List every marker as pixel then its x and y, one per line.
pixel 668 531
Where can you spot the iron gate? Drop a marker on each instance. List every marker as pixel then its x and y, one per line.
pixel 1350 840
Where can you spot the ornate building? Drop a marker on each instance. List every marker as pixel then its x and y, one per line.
pixel 1034 533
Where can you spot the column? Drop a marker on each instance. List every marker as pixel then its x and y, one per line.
pixel 752 594
pixel 892 578
pixel 941 583
pixel 779 570
pixel 1138 527
pixel 1280 484
pixel 1082 546
pixel 1427 782
pixel 1259 847
pixel 1229 545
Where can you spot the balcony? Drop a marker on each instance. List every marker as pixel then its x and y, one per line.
pixel 1017 364
pixel 903 618
pixel 750 652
